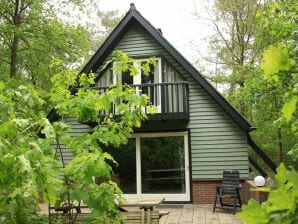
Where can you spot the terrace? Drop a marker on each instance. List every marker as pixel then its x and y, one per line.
pixel 197 214
pixel 188 214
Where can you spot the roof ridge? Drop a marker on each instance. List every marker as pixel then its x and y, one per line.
pixel 132 6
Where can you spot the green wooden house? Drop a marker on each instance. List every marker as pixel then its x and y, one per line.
pixel 181 151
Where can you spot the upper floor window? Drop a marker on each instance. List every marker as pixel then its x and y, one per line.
pixel 154 75
pixel 164 85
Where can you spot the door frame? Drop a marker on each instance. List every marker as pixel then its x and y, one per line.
pixel 168 197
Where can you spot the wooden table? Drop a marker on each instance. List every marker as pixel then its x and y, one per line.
pixel 143 203
pixel 146 204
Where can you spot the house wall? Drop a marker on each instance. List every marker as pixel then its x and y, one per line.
pixel 217 142
pixel 76 130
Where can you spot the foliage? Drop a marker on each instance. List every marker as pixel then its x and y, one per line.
pixel 278 60
pixel 27 161
pixel 259 72
pixel 32 36
pixel 89 159
pixel 232 49
pixel 282 203
pixel 109 20
pixel 33 33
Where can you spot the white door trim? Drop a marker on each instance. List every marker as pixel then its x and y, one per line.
pixel 168 197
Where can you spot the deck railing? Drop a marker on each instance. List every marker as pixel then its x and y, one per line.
pixel 169 97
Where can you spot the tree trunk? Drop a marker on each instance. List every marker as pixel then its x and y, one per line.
pixel 15 41
pixel 280 146
pixel 14 56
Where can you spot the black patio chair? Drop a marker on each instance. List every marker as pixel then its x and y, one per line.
pixel 230 189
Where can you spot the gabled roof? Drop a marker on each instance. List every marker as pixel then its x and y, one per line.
pixel 133 16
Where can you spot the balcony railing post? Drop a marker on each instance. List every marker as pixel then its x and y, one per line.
pixel 186 99
pixel 178 97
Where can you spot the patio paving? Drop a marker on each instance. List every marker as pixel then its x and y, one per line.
pixel 189 214
pixel 197 214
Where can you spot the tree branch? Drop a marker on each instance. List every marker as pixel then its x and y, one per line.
pixel 25 130
pixel 223 38
pixel 25 7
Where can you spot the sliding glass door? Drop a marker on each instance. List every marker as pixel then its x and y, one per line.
pixel 154 164
pixel 124 172
pixel 163 165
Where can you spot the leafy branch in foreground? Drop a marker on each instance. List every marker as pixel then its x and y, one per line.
pixel 92 106
pixel 282 203
pixel 27 163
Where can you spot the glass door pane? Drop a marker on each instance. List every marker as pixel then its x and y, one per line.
pixel 163 165
pixel 125 172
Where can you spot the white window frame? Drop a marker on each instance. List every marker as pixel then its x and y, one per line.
pixel 137 79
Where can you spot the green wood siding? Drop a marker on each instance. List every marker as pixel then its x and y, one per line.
pixel 77 129
pixel 217 142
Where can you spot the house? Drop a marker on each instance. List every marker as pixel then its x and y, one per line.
pixel 181 151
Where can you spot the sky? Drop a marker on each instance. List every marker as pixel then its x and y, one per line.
pixel 174 17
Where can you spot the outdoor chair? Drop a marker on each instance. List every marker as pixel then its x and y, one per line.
pixel 230 190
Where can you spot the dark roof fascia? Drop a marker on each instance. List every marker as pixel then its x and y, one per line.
pixel 118 32
pixel 108 44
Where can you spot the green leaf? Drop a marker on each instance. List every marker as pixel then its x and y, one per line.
pixel 281 176
pixel 21 122
pixel 2 86
pixel 47 129
pixel 275 59
pixel 23 164
pixel 50 195
pixel 279 201
pixel 289 108
pixel 253 213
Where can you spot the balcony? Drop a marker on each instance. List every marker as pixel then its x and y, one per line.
pixel 170 99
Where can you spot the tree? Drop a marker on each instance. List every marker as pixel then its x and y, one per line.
pixel 31 37
pixel 33 33
pixel 233 49
pixel 109 20
pixel 278 62
pixel 28 160
pixel 237 49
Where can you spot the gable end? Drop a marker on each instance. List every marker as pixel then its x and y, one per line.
pixel 134 16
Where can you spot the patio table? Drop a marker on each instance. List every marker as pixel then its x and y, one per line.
pixel 146 204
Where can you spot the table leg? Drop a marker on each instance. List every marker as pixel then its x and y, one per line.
pixel 148 216
pixel 143 216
